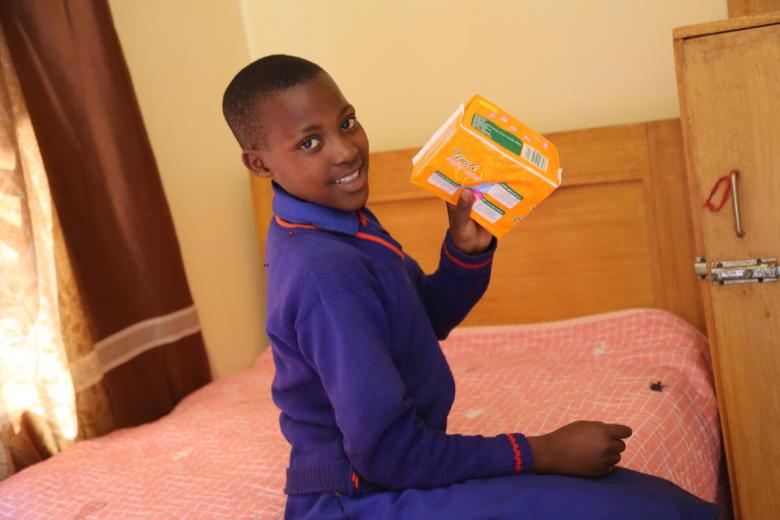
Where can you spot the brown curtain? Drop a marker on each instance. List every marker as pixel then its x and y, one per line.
pixel 142 341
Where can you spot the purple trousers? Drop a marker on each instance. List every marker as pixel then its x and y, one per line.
pixel 623 495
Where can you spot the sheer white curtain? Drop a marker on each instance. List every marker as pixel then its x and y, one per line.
pixel 34 373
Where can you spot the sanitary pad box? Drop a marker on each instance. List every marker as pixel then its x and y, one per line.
pixel 509 167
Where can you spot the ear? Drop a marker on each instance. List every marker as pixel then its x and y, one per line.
pixel 253 160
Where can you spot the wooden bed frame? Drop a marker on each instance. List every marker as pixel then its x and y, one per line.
pixel 616 235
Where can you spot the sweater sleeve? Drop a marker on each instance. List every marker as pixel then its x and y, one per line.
pixel 455 287
pixel 346 341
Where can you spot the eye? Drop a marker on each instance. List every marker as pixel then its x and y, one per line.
pixel 309 143
pixel 349 123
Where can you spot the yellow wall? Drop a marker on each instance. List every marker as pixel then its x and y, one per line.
pixel 554 64
pixel 182 54
pixel 405 64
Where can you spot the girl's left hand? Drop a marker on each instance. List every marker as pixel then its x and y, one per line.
pixel 466 234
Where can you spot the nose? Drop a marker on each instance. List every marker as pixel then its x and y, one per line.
pixel 344 150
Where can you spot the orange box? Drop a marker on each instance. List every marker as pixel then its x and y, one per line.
pixel 509 167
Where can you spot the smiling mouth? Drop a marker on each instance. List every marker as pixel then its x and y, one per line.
pixel 348 178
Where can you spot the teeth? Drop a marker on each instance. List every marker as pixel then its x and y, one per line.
pixel 349 178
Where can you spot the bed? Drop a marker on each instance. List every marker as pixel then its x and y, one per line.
pixel 593 313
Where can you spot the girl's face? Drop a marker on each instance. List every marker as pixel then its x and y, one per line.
pixel 315 147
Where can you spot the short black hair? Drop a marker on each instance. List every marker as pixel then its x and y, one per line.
pixel 255 83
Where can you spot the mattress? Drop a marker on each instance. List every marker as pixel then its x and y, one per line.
pixel 220 453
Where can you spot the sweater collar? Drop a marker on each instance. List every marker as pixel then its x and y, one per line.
pixel 293 209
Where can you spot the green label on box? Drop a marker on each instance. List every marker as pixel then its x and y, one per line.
pixel 510 190
pixel 500 136
pixel 447 179
pixel 493 206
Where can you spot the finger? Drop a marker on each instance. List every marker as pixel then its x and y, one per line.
pixel 466 199
pixel 618 446
pixel 613 459
pixel 463 208
pixel 619 431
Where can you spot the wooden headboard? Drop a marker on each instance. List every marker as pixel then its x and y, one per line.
pixel 617 234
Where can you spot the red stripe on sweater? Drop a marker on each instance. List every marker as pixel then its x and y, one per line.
pixel 391 247
pixel 516 450
pixel 362 218
pixel 464 264
pixel 286 224
pixel 359 234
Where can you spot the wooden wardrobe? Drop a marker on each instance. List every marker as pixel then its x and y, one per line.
pixel 728 76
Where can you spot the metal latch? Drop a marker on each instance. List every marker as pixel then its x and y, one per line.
pixel 751 270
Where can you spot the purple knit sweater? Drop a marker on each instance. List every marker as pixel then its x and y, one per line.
pixel 361 381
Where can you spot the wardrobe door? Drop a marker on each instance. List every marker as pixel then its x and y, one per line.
pixel 729 86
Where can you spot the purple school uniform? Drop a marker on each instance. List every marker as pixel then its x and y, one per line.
pixel 363 387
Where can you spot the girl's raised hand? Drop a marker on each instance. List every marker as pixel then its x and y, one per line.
pixel 466 234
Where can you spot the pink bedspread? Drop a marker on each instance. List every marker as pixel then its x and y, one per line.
pixel 220 453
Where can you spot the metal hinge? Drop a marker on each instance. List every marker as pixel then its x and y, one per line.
pixel 751 270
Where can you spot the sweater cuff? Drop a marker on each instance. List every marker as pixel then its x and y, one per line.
pixel 457 260
pixel 524 459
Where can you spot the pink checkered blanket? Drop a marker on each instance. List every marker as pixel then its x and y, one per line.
pixel 220 454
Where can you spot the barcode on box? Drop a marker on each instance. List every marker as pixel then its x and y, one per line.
pixel 443 182
pixel 487 210
pixel 532 155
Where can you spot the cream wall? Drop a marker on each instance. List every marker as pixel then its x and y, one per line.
pixel 554 64
pixel 406 65
pixel 181 55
